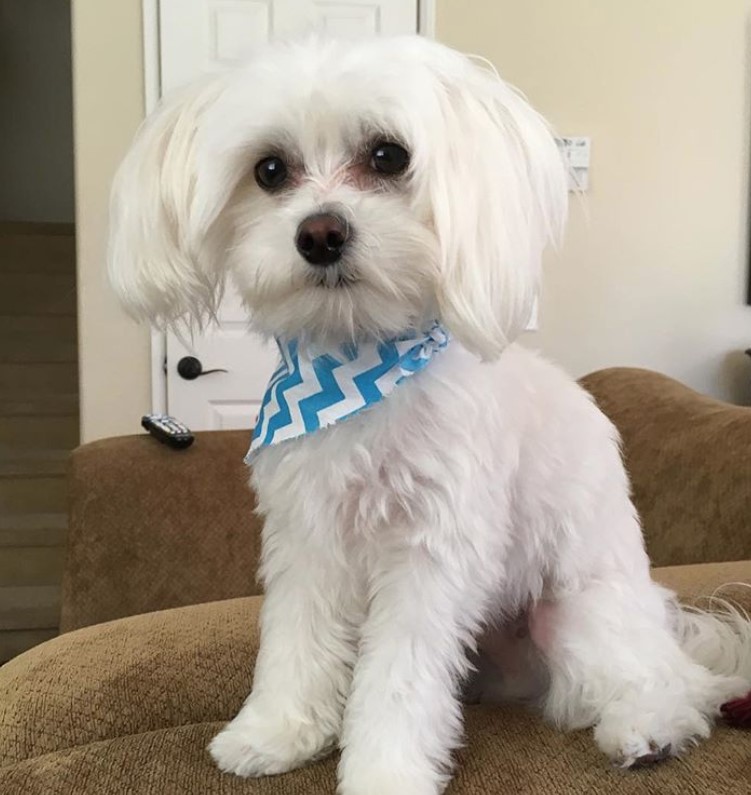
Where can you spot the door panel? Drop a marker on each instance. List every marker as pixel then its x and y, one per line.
pixel 219 401
pixel 202 36
pixel 349 17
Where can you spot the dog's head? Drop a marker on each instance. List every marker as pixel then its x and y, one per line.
pixel 348 190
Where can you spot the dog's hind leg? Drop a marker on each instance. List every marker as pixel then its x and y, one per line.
pixel 616 664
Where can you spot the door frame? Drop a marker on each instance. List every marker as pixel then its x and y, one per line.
pixel 152 83
pixel 152 89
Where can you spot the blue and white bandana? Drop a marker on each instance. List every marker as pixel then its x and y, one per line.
pixel 311 390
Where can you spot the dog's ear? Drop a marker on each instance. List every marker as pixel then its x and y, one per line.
pixel 498 192
pixel 164 250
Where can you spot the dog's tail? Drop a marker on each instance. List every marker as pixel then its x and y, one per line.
pixel 716 633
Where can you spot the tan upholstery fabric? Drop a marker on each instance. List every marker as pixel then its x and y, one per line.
pixel 731 581
pixel 129 706
pixel 138 674
pixel 509 753
pixel 153 528
pixel 689 458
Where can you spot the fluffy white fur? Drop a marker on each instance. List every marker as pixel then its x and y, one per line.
pixel 481 501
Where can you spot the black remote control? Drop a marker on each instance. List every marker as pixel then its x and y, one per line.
pixel 168 430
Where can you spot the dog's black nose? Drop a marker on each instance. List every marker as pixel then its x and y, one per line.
pixel 321 238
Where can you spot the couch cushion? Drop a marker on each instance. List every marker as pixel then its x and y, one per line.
pixel 133 675
pixel 129 706
pixel 694 583
pixel 508 751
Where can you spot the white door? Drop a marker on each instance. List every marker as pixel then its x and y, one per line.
pixel 199 36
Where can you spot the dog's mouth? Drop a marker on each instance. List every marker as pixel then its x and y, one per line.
pixel 335 277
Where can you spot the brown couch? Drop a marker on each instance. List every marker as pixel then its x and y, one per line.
pixel 128 706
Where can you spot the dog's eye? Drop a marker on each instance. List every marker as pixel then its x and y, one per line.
pixel 271 172
pixel 389 158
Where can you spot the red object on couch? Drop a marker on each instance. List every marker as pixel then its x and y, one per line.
pixel 738 711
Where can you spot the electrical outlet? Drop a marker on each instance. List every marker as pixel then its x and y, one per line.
pixel 576 151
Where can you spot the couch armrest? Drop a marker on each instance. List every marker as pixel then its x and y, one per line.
pixel 153 528
pixel 689 458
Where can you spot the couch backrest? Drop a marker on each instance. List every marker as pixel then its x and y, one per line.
pixel 153 528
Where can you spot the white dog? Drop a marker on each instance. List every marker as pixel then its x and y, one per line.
pixel 373 197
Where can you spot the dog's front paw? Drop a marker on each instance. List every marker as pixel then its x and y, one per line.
pixel 251 746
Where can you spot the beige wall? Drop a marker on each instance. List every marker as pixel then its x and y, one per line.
pixel 657 276
pixel 36 156
pixel 114 369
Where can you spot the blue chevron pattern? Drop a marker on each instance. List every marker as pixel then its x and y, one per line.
pixel 329 393
pixel 287 378
pixel 310 390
